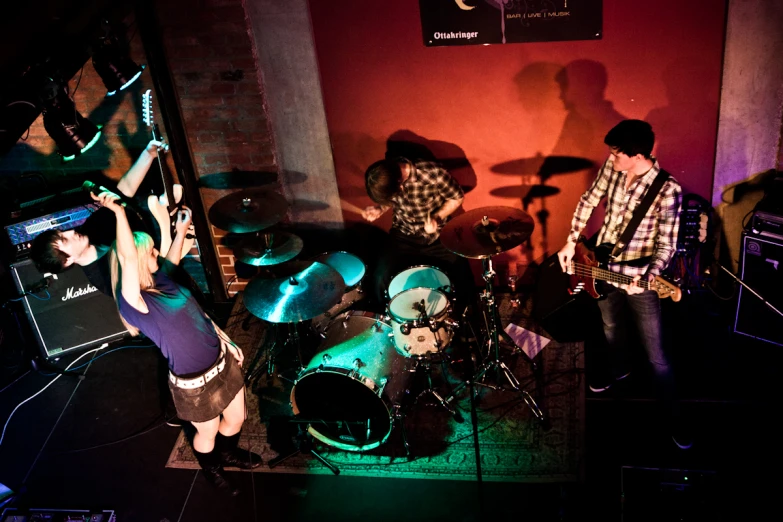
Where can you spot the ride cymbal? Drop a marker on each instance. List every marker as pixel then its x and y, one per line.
pixel 267 249
pixel 249 210
pixel 486 231
pixel 297 297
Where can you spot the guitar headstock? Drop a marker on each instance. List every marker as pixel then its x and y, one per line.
pixel 146 108
pixel 666 289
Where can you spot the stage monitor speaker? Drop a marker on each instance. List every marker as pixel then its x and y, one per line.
pixel 762 270
pixel 70 315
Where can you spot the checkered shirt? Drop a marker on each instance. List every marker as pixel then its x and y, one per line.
pixel 656 235
pixel 425 191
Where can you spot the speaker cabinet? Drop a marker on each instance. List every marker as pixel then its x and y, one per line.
pixel 70 315
pixel 762 270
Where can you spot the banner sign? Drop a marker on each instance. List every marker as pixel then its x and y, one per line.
pixel 479 22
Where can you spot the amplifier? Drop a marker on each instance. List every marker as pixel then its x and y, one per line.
pixel 762 270
pixel 22 233
pixel 66 313
pixel 767 225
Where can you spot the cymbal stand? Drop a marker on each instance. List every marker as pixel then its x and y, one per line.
pixel 423 365
pixel 255 369
pixel 306 445
pixel 492 361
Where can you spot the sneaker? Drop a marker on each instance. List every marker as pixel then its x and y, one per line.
pixel 599 386
pixel 174 422
pixel 682 436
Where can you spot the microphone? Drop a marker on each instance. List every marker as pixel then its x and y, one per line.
pixel 89 186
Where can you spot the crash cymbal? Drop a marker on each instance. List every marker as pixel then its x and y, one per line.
pixel 526 192
pixel 486 231
pixel 544 166
pixel 249 210
pixel 297 297
pixel 271 248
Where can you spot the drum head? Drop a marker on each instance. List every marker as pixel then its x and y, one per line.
pixel 407 305
pixel 347 265
pixel 345 413
pixel 340 389
pixel 422 276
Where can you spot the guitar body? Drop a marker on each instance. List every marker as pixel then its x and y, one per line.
pixel 583 280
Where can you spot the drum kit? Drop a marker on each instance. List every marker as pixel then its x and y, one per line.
pixel 357 386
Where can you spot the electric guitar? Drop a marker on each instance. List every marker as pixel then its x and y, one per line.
pixel 585 270
pixel 165 207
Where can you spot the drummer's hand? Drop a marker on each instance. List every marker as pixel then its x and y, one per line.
pixel 372 212
pixel 430 225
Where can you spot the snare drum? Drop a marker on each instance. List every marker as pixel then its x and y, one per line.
pixel 352 270
pixel 351 388
pixel 419 320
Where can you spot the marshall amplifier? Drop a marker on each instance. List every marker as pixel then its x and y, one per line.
pixel 762 270
pixel 66 313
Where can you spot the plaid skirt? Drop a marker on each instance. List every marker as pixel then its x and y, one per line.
pixel 203 403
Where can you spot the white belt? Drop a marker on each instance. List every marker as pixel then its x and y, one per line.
pixel 189 384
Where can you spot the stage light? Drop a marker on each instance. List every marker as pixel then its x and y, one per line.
pixel 72 132
pixel 112 62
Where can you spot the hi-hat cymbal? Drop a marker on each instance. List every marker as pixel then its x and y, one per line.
pixel 486 231
pixel 544 166
pixel 249 210
pixel 295 298
pixel 271 248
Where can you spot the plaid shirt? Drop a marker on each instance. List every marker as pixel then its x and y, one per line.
pixel 424 192
pixel 656 236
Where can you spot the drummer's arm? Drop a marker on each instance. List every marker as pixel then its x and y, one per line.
pixel 447 209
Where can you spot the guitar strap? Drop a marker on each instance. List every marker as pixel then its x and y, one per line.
pixel 639 212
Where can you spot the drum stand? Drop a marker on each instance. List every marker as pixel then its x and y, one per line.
pixel 493 361
pixel 255 369
pixel 423 365
pixel 305 446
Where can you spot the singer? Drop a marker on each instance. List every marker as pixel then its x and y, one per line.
pixel 55 250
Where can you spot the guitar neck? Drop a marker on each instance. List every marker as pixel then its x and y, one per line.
pixel 168 183
pixel 602 274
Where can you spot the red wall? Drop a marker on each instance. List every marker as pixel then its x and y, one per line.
pixel 493 104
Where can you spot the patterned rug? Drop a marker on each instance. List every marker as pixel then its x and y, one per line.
pixel 512 444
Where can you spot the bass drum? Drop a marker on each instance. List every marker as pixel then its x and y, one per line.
pixel 350 389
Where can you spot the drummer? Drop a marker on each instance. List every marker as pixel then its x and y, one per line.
pixel 422 196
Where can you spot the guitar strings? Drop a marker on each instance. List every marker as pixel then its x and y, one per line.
pixel 612 277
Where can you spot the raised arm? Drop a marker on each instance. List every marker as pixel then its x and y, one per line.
pixel 184 217
pixel 131 180
pixel 126 251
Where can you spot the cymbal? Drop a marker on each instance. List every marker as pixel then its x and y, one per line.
pixel 525 191
pixel 268 249
pixel 544 166
pixel 486 231
pixel 249 210
pixel 295 298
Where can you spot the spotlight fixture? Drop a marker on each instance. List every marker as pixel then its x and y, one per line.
pixel 72 132
pixel 112 62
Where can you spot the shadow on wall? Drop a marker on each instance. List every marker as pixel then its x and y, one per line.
pixel 681 125
pixel 738 201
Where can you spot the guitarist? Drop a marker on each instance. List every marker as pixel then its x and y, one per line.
pixel 624 179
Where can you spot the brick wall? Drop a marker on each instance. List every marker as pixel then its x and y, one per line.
pixel 210 55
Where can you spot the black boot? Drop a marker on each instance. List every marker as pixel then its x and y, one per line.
pixel 232 456
pixel 213 471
